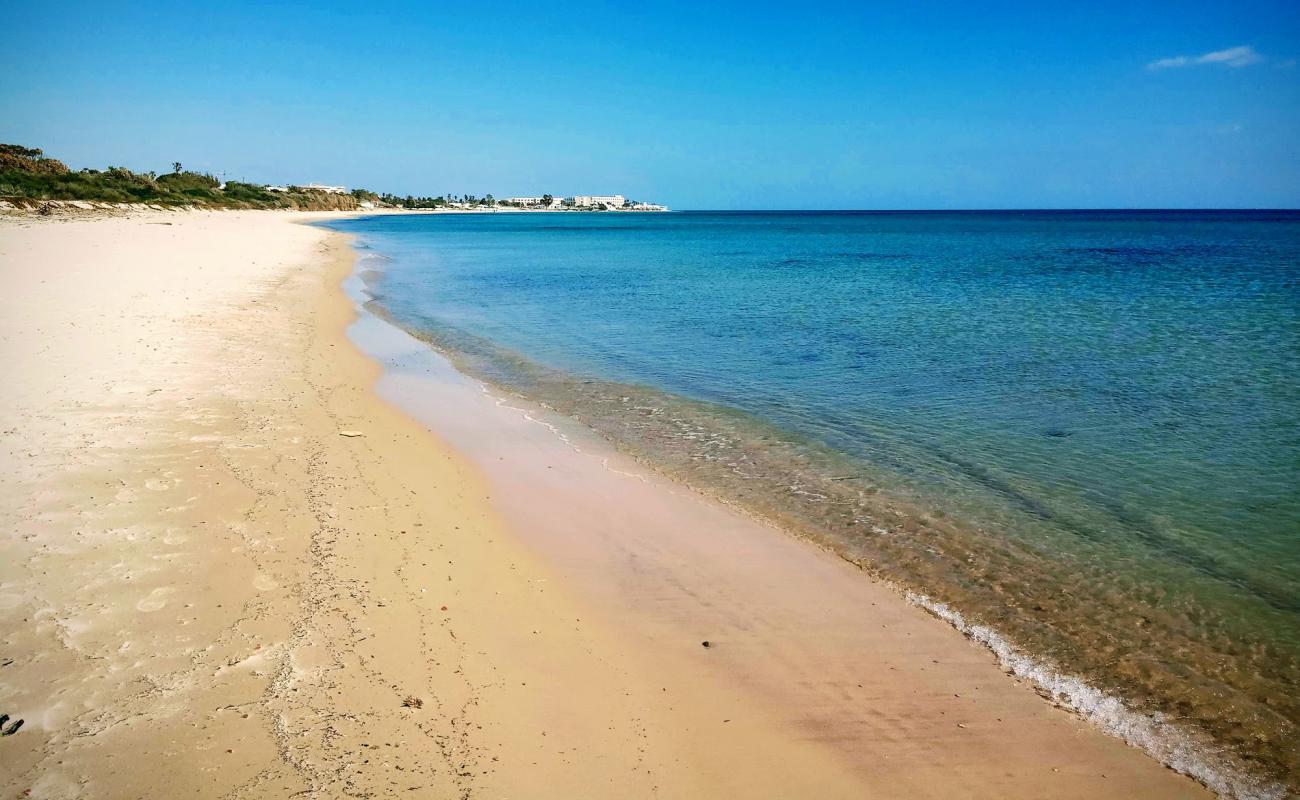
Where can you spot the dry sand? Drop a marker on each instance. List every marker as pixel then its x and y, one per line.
pixel 206 590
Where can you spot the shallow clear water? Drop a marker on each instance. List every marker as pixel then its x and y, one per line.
pixel 1080 427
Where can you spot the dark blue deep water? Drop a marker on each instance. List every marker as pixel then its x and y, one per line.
pixel 1117 392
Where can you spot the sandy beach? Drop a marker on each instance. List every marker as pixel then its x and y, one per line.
pixel 243 559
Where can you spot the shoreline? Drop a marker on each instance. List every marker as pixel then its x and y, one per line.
pixel 633 432
pixel 207 576
pixel 1168 746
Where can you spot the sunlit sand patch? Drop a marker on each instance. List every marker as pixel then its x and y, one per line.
pixel 57 786
pixel 172 556
pixel 52 717
pixel 9 600
pixel 155 600
pixel 175 536
pixel 72 628
pixel 129 388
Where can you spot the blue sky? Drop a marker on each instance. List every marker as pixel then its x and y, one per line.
pixel 727 105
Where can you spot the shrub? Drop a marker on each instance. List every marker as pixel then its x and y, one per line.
pixel 14 157
pixel 182 181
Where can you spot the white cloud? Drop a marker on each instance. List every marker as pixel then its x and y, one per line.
pixel 1241 56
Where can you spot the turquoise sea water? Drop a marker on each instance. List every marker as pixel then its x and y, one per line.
pixel 1082 428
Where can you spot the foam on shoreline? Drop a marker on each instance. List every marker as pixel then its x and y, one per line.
pixel 1169 744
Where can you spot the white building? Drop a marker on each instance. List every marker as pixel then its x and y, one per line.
pixel 592 200
pixel 316 187
pixel 529 202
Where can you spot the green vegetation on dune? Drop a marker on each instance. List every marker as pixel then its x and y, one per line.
pixel 27 175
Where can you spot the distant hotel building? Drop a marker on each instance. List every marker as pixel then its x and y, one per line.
pixel 316 187
pixel 591 200
pixel 311 187
pixel 534 201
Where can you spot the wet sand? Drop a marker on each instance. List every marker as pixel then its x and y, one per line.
pixel 206 589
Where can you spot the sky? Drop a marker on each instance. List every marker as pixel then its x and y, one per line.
pixel 698 105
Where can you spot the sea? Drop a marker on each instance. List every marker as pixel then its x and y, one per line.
pixel 1079 429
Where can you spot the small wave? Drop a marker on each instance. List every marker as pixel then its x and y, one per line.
pixel 588 228
pixel 1142 254
pixel 1163 741
pixel 867 256
pixel 1122 252
pixel 845 256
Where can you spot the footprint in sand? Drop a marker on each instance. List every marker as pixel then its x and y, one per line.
pixel 158 484
pixel 155 599
pixel 265 583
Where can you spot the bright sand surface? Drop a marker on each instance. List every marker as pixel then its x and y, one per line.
pixel 206 589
